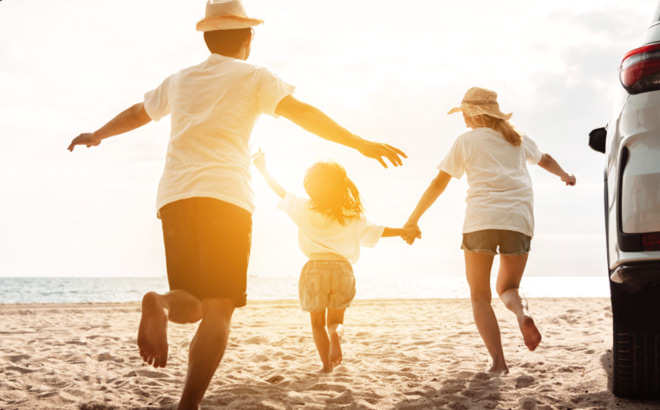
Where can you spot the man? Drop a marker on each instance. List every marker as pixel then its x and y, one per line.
pixel 205 200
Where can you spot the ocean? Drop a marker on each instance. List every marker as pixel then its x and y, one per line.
pixel 122 289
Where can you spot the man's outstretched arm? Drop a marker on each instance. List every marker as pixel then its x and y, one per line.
pixel 315 121
pixel 129 119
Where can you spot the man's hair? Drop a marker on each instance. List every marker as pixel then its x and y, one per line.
pixel 226 42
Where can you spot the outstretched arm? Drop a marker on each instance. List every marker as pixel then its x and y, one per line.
pixel 315 121
pixel 549 164
pixel 432 193
pixel 259 160
pixel 409 234
pixel 128 120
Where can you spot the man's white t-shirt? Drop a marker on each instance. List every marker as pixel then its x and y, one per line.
pixel 214 106
pixel 500 194
pixel 318 233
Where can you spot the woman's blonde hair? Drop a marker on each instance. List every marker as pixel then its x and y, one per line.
pixel 331 192
pixel 510 133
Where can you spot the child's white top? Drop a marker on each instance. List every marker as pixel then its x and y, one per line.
pixel 500 194
pixel 214 106
pixel 319 234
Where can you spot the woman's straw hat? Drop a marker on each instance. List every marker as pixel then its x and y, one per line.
pixel 480 101
pixel 226 15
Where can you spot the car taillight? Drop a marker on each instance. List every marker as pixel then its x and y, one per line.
pixel 640 69
pixel 651 241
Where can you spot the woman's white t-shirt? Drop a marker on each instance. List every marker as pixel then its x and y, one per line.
pixel 500 194
pixel 318 233
pixel 214 106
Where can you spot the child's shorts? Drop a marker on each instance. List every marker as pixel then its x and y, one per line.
pixel 326 284
pixel 510 243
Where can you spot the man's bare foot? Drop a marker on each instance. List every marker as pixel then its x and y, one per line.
pixel 152 334
pixel 335 355
pixel 530 333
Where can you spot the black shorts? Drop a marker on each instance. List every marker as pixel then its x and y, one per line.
pixel 207 247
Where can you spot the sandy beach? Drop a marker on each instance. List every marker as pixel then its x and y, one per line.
pixel 398 354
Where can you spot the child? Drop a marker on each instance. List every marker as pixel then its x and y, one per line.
pixel 499 211
pixel 331 228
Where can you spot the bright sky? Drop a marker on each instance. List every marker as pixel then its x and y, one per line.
pixel 386 70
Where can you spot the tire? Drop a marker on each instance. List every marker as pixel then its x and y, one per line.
pixel 636 365
pixel 636 348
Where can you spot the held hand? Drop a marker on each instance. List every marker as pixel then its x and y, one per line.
pixel 411 233
pixel 378 151
pixel 569 179
pixel 89 139
pixel 259 160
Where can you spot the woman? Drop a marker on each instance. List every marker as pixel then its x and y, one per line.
pixel 499 213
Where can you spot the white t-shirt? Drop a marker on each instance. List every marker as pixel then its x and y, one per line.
pixel 214 106
pixel 319 234
pixel 500 194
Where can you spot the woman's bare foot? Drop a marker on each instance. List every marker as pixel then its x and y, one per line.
pixel 152 333
pixel 327 368
pixel 335 355
pixel 530 333
pixel 499 366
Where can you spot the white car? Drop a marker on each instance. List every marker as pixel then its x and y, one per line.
pixel 631 142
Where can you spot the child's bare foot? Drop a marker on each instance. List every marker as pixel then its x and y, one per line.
pixel 152 334
pixel 335 355
pixel 530 333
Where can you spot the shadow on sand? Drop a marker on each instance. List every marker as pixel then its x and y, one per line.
pixel 596 399
pixel 457 393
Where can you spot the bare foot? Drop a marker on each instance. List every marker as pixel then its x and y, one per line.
pixel 335 355
pixel 530 333
pixel 499 368
pixel 152 334
pixel 327 368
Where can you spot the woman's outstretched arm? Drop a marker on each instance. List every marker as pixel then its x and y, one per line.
pixel 549 164
pixel 432 193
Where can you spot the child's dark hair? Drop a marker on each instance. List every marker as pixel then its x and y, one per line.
pixel 332 193
pixel 226 42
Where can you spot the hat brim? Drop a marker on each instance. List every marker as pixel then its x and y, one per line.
pixel 227 23
pixel 474 110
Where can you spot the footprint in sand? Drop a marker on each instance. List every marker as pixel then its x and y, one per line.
pixel 256 340
pixel 147 373
pixel 22 370
pixel 483 376
pixel 105 356
pixel 17 357
pixel 275 379
pixel 524 381
pixel 344 398
pixel 328 387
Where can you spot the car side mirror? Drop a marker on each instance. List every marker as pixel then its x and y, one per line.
pixel 597 139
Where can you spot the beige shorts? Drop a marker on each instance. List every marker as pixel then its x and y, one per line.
pixel 326 284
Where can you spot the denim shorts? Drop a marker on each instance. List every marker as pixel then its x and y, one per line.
pixel 487 241
pixel 326 284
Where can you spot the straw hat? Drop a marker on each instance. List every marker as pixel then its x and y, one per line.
pixel 480 101
pixel 225 15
